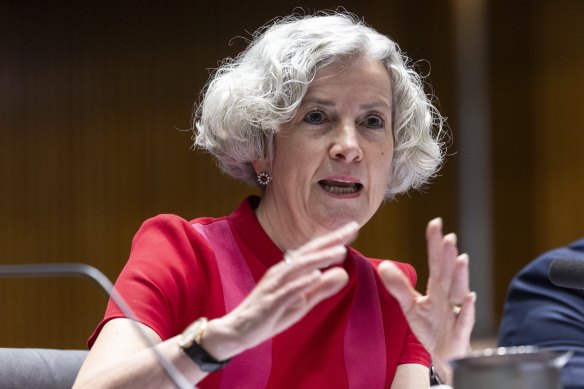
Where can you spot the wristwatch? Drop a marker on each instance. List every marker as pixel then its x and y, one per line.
pixel 190 342
pixel 434 378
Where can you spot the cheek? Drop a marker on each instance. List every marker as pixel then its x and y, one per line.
pixel 384 167
pixel 386 157
pixel 301 153
pixel 294 167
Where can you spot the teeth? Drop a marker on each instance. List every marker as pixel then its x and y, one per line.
pixel 340 189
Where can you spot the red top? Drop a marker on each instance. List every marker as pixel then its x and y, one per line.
pixel 179 271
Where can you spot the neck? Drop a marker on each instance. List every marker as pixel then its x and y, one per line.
pixel 285 232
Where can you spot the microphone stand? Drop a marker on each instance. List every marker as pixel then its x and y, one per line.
pixel 83 270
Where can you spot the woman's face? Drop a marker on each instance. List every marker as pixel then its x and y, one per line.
pixel 331 162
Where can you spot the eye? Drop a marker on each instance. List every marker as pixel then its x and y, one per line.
pixel 374 121
pixel 314 117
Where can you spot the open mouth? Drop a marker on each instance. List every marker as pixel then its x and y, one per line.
pixel 340 187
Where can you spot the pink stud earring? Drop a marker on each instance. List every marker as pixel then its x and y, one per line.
pixel 264 178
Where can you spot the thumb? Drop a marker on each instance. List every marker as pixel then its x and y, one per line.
pixel 397 284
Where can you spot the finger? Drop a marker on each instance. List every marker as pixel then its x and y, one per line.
pixel 293 291
pixel 299 265
pixel 321 258
pixel 331 282
pixel 434 243
pixel 343 235
pixel 328 284
pixel 465 321
pixel 278 275
pixel 269 312
pixel 398 285
pixel 460 281
pixel 443 268
pixel 447 262
pixel 304 277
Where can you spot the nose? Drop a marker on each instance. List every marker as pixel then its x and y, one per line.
pixel 345 146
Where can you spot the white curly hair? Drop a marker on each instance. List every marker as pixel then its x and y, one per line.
pixel 248 97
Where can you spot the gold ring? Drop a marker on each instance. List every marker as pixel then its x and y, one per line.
pixel 456 308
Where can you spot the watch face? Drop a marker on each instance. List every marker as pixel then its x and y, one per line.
pixel 184 341
pixel 190 343
pixel 190 334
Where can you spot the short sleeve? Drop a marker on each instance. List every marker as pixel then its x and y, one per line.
pixel 162 277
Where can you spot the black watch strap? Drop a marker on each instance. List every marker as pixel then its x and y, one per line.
pixel 202 358
pixel 434 379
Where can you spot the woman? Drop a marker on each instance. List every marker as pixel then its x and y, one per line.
pixel 323 113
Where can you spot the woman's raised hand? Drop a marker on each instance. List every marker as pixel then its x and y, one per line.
pixel 286 293
pixel 443 319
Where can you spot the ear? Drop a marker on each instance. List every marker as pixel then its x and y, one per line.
pixel 260 165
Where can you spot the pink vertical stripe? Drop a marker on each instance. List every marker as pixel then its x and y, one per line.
pixel 365 354
pixel 250 369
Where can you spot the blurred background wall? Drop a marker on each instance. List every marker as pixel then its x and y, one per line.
pixel 95 108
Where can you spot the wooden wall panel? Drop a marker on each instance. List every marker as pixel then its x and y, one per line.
pixel 512 141
pixel 95 103
pixel 538 127
pixel 95 99
pixel 558 83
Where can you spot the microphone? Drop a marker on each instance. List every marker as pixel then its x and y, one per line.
pixel 567 273
pixel 82 270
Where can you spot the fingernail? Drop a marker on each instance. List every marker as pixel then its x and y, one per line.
pixel 463 257
pixel 350 227
pixel 353 225
pixel 452 236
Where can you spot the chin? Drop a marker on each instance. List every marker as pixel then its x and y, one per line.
pixel 335 218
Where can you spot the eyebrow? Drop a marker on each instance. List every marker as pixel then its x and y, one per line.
pixel 329 103
pixel 318 101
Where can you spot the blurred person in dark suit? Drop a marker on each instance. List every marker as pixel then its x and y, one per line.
pixel 551 317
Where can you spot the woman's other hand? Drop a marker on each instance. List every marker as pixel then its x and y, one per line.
pixel 443 319
pixel 285 294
